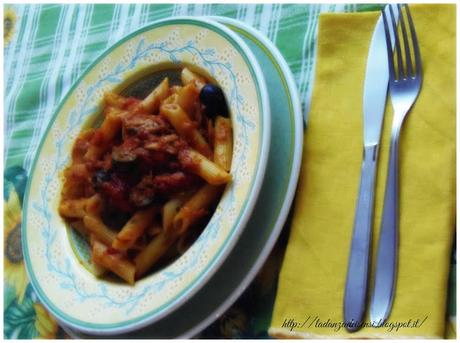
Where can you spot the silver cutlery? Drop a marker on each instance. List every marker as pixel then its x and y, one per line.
pixel 374 99
pixel 405 82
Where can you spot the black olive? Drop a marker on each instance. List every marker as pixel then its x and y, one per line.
pixel 212 97
pixel 99 177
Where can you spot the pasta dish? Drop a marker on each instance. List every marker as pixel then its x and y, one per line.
pixel 144 184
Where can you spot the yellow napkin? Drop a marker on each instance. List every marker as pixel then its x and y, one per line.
pixel 312 279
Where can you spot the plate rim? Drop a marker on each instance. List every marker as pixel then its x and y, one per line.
pixel 149 318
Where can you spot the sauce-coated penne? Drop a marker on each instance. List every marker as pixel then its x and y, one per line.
pixel 142 186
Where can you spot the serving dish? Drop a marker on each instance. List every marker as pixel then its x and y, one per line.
pixel 68 290
pixel 270 212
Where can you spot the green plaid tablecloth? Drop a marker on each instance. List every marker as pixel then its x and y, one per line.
pixel 46 48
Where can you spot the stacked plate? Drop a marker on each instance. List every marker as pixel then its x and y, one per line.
pixel 182 299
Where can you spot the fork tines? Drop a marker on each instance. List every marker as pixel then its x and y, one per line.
pixel 411 69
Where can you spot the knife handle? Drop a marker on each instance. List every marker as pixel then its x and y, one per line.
pixel 354 304
pixel 385 270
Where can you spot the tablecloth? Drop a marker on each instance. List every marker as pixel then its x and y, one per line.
pixel 46 49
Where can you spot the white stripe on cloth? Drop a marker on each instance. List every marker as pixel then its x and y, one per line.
pixel 14 64
pixel 310 76
pixel 276 22
pixel 82 42
pixel 240 12
pixel 250 15
pixel 207 8
pixel 47 90
pixel 182 9
pixel 135 19
pixel 121 25
pixel 198 10
pixel 72 58
pixel 144 15
pixel 114 21
pixel 265 19
pixel 19 70
pixel 9 64
pixel 303 73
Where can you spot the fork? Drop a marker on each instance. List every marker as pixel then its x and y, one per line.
pixel 405 80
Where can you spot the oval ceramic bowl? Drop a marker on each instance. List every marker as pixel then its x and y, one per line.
pixel 72 294
pixel 270 211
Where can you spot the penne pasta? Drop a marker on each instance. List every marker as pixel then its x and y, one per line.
pixel 223 142
pixel 94 205
pixel 185 127
pixel 172 99
pixel 175 89
pixel 193 208
pixel 81 145
pixel 114 100
pixel 196 163
pixel 113 261
pixel 129 189
pixel 95 269
pixel 187 97
pixel 155 230
pixel 134 228
pixel 73 208
pixel 186 240
pixel 99 229
pixel 189 77
pixel 104 135
pixel 152 253
pixel 111 125
pixel 78 208
pixel 77 171
pixel 170 210
pixel 73 189
pixel 152 102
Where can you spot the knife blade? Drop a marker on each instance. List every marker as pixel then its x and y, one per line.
pixel 374 99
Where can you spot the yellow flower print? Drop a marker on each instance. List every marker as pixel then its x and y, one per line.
pixel 45 324
pixel 9 23
pixel 13 262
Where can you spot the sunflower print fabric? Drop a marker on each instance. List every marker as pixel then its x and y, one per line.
pixel 9 23
pixel 13 264
pixel 23 316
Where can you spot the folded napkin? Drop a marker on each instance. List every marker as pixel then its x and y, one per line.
pixel 310 291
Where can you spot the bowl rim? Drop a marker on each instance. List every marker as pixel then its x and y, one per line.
pixel 239 224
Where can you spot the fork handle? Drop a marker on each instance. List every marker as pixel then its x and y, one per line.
pixel 385 272
pixel 354 304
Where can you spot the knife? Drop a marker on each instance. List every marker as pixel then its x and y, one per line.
pixel 375 94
